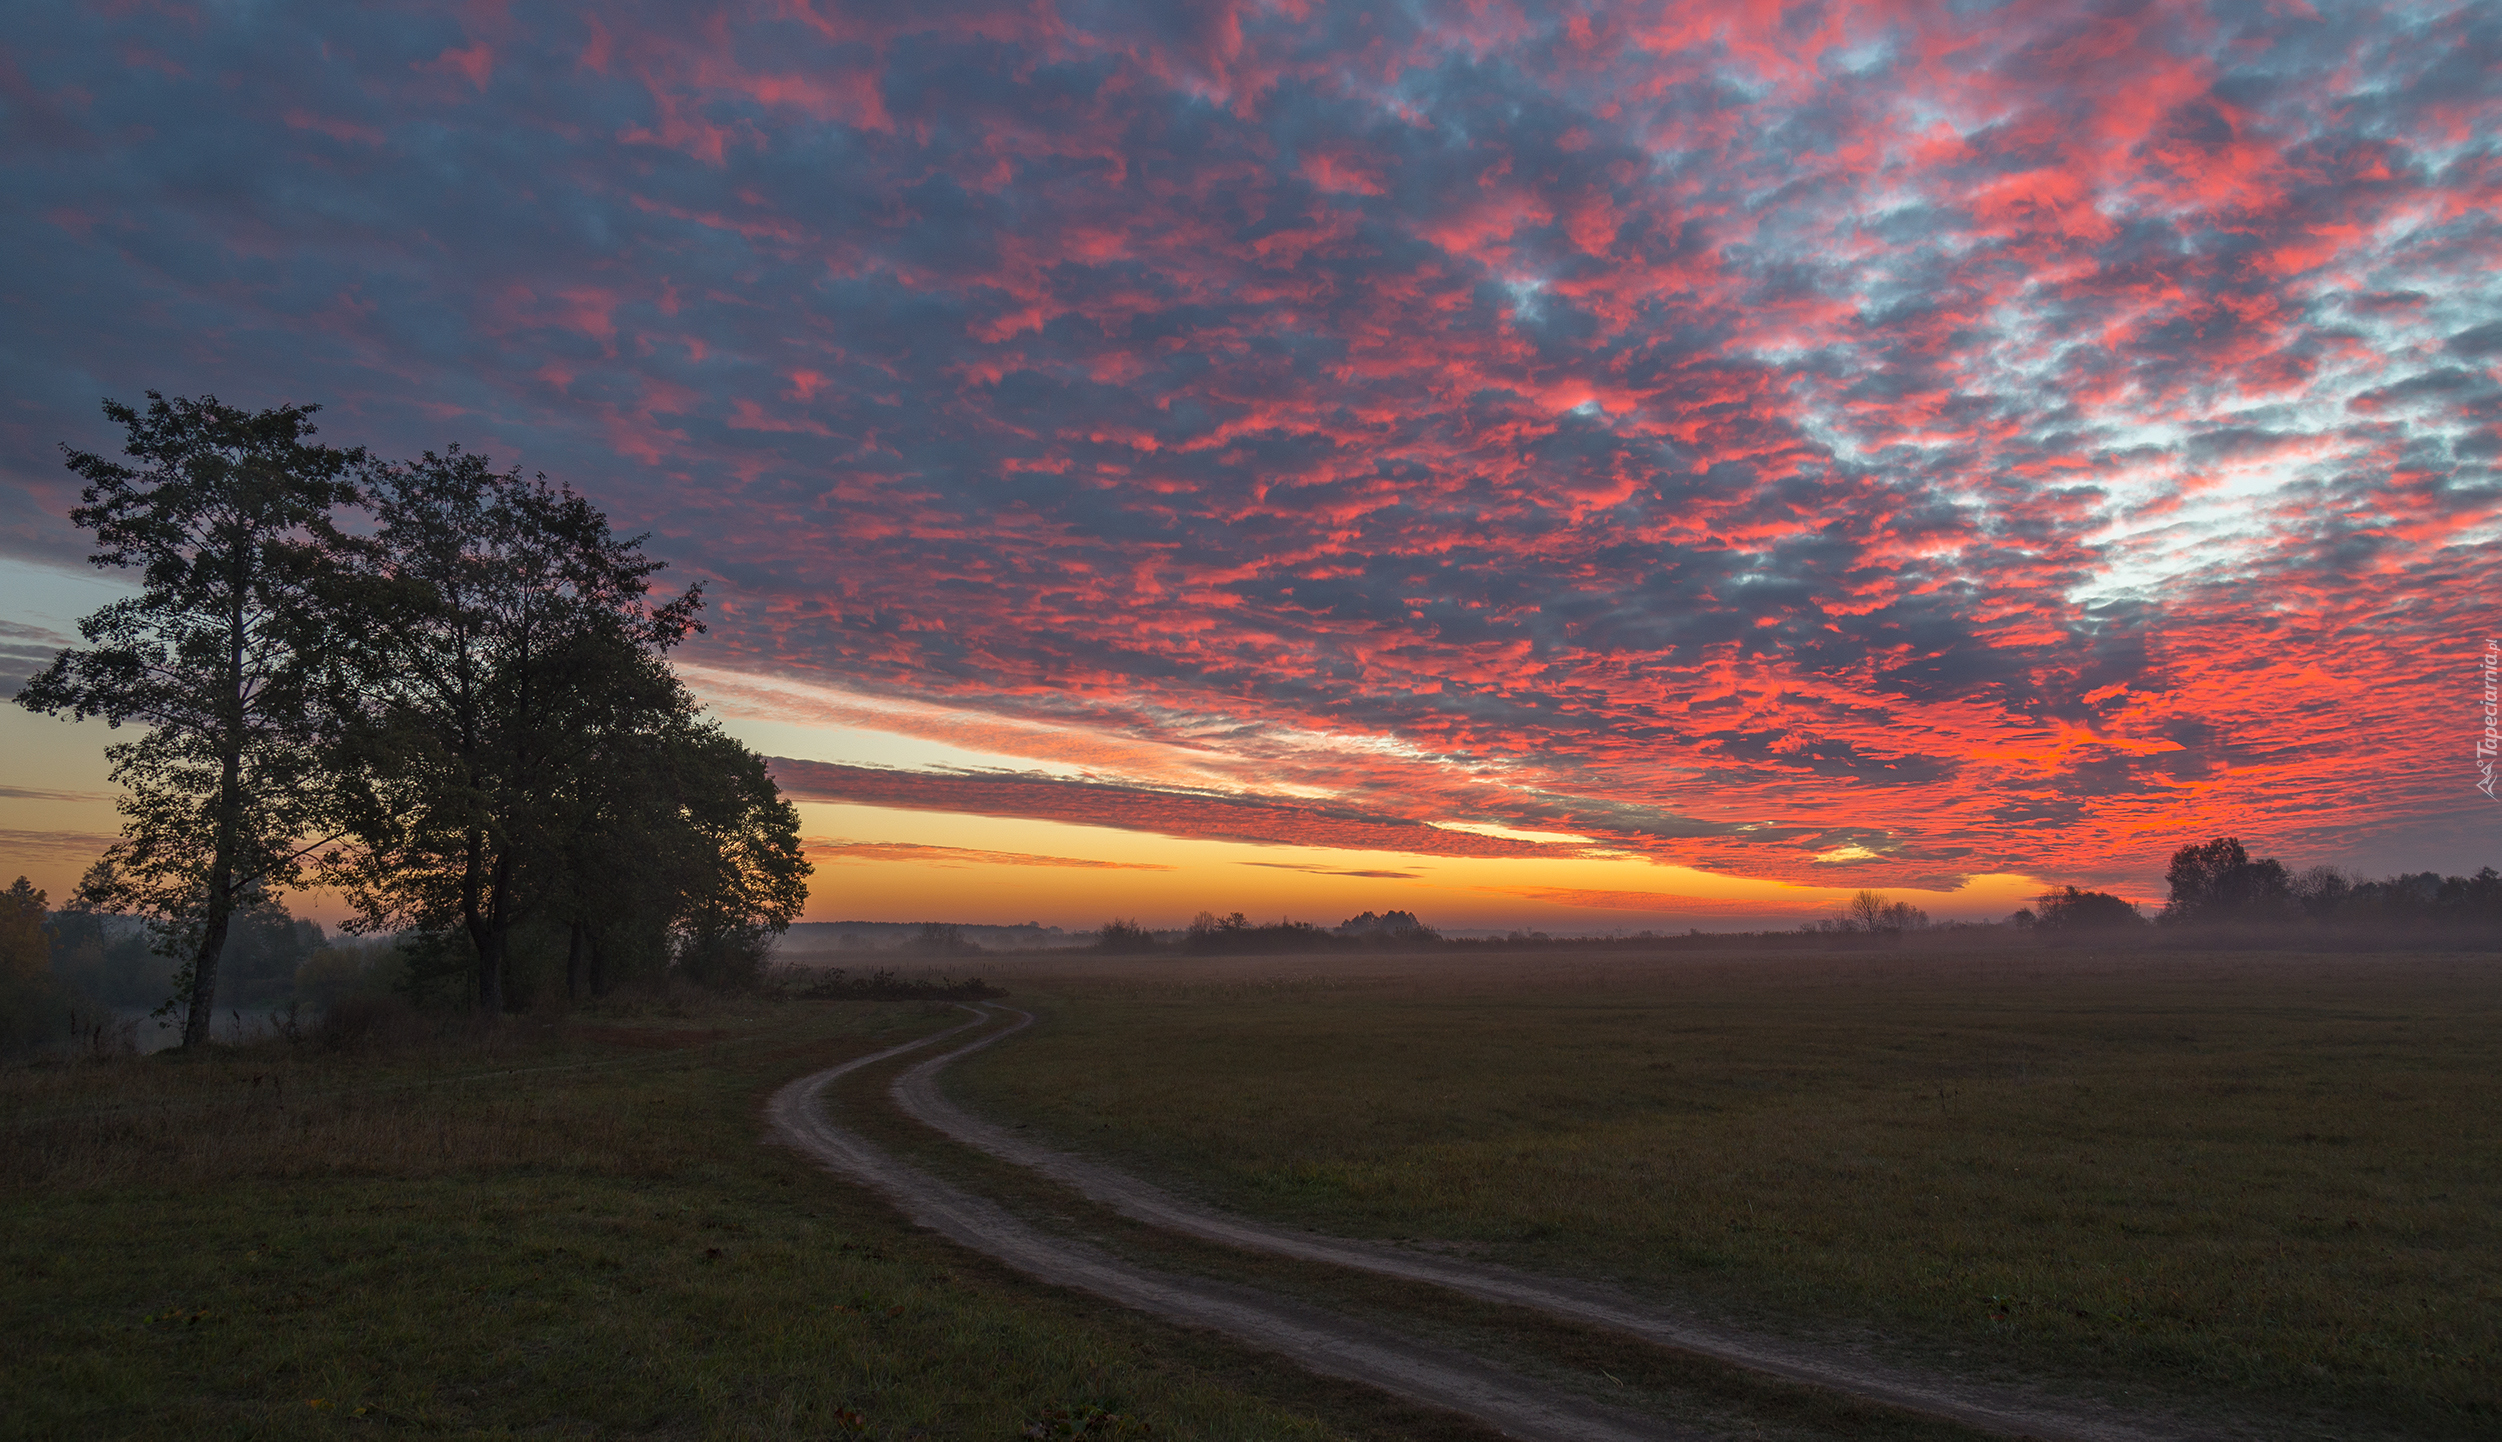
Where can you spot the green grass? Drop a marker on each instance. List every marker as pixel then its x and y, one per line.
pixel 2237 1182
pixel 539 1232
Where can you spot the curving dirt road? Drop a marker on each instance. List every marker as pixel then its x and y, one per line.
pixel 1308 1336
pixel 1334 1346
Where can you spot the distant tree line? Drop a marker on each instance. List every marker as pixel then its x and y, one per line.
pixel 438 688
pixel 1210 935
pixel 2217 886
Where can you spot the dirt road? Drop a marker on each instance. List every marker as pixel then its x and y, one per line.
pixel 1337 1347
pixel 1313 1339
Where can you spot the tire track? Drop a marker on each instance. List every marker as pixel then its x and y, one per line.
pixel 1310 1337
pixel 2001 1410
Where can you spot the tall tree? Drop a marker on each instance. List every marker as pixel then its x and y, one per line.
pixel 228 518
pixel 515 638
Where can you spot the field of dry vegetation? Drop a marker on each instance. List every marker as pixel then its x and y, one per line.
pixel 540 1229
pixel 2246 1188
pixel 2235 1182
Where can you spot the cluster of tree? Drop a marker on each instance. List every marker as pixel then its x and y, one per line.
pixel 436 687
pixel 1869 913
pixel 2218 884
pixel 78 963
pixel 1399 924
pixel 2067 910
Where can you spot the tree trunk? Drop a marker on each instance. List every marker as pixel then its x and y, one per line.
pixel 491 973
pixel 221 879
pixel 573 964
pixel 496 950
pixel 203 1013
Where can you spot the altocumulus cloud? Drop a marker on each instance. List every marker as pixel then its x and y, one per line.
pixel 1927 439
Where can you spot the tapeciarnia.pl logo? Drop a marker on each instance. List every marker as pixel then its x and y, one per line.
pixel 2490 743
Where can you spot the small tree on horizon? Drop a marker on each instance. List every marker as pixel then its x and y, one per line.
pixel 2067 909
pixel 2216 881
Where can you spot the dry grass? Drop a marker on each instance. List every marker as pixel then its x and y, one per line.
pixel 535 1231
pixel 2226 1177
pixel 462 1101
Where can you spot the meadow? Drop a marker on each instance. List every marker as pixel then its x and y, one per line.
pixel 2237 1185
pixel 546 1228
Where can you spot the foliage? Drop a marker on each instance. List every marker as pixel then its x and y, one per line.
pixel 25 943
pixel 2067 909
pixel 228 518
pixel 742 876
pixel 678 849
pixel 461 712
pixel 1398 925
pixel 34 1006
pixel 514 646
pixel 1210 934
pixel 2422 901
pixel 2218 882
pixel 2217 885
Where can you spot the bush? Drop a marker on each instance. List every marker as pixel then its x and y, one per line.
pixel 725 958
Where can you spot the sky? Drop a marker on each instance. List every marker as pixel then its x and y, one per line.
pixel 1578 467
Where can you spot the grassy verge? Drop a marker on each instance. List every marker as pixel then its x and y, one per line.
pixel 541 1232
pixel 2238 1181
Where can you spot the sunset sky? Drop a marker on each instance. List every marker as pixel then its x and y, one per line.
pixel 1585 467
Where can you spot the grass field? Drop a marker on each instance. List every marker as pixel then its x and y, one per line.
pixel 2236 1182
pixel 541 1231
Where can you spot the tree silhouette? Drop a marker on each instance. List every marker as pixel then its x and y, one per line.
pixel 2068 909
pixel 514 641
pixel 2217 881
pixel 228 518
